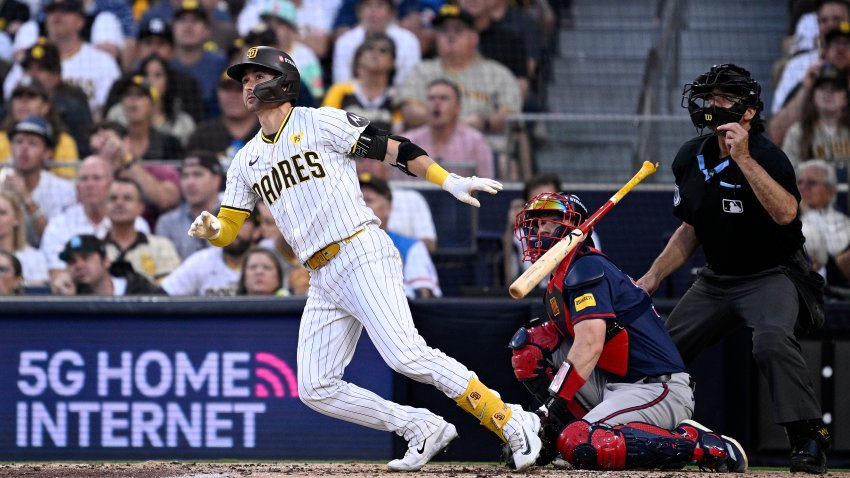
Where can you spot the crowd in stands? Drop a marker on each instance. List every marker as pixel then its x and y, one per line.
pixel 119 123
pixel 810 120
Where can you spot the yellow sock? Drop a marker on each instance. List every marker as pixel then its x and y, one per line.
pixel 483 404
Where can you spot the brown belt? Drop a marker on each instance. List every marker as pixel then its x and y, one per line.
pixel 321 258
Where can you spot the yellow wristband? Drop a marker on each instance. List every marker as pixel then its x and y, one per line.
pixel 436 174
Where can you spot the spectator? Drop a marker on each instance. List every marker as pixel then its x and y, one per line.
pixel 369 93
pixel 515 21
pixel 88 216
pixel 11 280
pixel 375 16
pixel 200 181
pixel 83 65
pixel 835 52
pixel 30 99
pixel 410 215
pixel 14 14
pixel 168 116
pixel 43 194
pixel 222 29
pixel 490 91
pixel 102 24
pixel 262 274
pixel 420 275
pixel 152 256
pixel 13 239
pixel 315 21
pixel 129 149
pixel 213 270
pixel 191 27
pixel 455 145
pixel 93 273
pixel 226 134
pixel 41 62
pixel 281 17
pixel 827 229
pixel 830 13
pixel 500 44
pixel 823 131
pixel 155 38
pixel 296 279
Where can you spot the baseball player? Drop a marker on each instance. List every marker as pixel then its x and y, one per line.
pixel 613 383
pixel 302 165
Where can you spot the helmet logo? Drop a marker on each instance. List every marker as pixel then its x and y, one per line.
pixel 252 52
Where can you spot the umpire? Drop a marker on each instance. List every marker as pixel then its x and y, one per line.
pixel 736 195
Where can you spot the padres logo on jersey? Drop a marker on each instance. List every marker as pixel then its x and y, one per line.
pixel 287 173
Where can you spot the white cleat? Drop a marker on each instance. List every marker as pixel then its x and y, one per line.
pixel 421 453
pixel 525 443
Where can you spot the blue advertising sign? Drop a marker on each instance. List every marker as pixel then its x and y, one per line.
pixel 118 387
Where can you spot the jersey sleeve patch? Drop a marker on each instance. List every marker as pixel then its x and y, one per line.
pixel 356 120
pixel 584 301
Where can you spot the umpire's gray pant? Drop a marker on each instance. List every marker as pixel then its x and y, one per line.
pixel 766 303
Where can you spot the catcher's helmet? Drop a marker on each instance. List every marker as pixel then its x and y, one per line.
pixel 546 219
pixel 284 87
pixel 736 83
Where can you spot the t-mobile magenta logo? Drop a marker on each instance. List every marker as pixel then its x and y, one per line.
pixel 272 373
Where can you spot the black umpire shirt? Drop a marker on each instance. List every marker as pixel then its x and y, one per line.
pixel 737 234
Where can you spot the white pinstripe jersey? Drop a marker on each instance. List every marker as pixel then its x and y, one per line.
pixel 306 176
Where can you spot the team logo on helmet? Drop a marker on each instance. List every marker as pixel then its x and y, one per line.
pixel 252 52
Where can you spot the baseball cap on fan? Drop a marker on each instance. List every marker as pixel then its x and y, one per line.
pixel 155 27
pixel 192 7
pixel 842 30
pixel 204 159
pixel 368 180
pixel 70 6
pixel 283 10
pixel 43 54
pixel 34 125
pixel 449 12
pixel 82 243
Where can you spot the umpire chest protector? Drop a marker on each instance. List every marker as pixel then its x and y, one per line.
pixel 574 273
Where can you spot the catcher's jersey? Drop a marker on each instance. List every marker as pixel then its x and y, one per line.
pixel 307 177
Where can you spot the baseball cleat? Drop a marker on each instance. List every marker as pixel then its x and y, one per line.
pixel 525 442
pixel 418 454
pixel 808 456
pixel 718 452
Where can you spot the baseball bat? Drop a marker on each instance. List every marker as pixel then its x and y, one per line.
pixel 550 260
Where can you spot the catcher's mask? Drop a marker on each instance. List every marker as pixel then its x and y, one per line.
pixel 284 87
pixel 728 81
pixel 546 219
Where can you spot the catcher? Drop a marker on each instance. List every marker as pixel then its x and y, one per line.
pixel 615 391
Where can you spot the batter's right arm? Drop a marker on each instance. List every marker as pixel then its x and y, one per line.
pixel 678 249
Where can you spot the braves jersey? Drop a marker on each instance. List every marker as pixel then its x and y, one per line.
pixel 637 344
pixel 306 175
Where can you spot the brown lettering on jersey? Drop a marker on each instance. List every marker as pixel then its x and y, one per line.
pixel 285 169
pixel 288 173
pixel 316 168
pixel 299 168
pixel 268 191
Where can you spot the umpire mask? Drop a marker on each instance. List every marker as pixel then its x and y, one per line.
pixel 733 84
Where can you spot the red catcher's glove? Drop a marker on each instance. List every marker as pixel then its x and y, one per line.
pixel 532 350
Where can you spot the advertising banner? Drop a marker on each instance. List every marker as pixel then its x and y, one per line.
pixel 117 387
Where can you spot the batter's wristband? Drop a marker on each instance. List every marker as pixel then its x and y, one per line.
pixel 436 174
pixel 567 381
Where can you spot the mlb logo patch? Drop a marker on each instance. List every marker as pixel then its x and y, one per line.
pixel 733 206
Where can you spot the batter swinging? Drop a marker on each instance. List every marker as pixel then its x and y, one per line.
pixel 301 164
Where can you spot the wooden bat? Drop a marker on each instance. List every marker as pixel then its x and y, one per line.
pixel 550 260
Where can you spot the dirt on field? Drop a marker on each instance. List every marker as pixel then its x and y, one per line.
pixel 157 469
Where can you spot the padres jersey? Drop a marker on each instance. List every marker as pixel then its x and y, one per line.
pixel 305 174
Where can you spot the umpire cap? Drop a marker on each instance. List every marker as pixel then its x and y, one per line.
pixel 283 88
